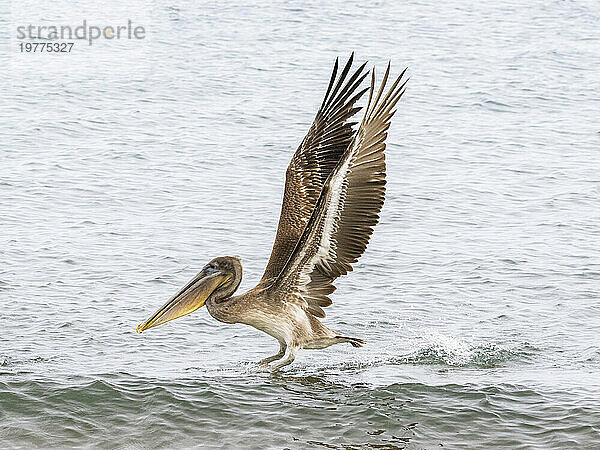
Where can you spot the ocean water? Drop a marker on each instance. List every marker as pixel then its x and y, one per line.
pixel 126 165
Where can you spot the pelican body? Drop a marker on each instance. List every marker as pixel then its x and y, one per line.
pixel 334 191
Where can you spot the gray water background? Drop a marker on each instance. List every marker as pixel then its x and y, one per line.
pixel 127 165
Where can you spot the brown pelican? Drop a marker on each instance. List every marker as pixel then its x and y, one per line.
pixel 334 191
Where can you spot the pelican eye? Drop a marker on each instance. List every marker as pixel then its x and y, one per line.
pixel 210 269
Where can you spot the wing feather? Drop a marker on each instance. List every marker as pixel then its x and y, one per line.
pixel 326 141
pixel 347 209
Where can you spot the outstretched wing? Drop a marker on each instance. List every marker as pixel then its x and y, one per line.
pixel 347 209
pixel 326 141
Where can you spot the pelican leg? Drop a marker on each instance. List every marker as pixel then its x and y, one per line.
pixel 282 349
pixel 290 358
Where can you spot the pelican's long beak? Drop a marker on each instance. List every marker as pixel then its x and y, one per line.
pixel 188 299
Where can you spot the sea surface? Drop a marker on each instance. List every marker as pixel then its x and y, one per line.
pixel 126 165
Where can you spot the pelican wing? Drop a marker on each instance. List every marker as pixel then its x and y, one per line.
pixel 347 209
pixel 326 141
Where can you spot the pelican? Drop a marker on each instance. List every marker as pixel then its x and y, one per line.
pixel 334 191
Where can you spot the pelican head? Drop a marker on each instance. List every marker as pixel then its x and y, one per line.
pixel 217 280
